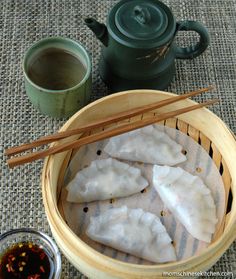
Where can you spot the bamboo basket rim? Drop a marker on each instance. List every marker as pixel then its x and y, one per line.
pixel 58 224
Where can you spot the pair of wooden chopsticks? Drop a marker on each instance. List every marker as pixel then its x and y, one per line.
pixel 12 162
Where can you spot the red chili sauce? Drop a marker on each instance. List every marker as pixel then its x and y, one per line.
pixel 25 261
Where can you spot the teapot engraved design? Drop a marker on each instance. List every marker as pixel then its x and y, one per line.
pixel 138 48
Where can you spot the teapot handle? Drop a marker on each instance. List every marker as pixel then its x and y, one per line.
pixel 195 50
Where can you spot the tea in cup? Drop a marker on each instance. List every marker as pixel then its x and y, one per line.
pixel 57 76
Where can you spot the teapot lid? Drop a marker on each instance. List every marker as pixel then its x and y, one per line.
pixel 141 23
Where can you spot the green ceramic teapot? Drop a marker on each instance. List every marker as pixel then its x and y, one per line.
pixel 138 49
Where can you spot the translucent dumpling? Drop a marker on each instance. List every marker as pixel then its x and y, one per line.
pixel 188 198
pixel 133 231
pixel 147 145
pixel 105 179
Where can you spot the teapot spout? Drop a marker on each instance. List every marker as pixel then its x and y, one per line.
pixel 99 29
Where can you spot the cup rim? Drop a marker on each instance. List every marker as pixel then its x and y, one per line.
pixel 62 39
pixel 44 236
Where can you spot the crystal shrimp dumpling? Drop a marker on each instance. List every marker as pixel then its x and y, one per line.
pixel 188 198
pixel 133 231
pixel 147 145
pixel 105 179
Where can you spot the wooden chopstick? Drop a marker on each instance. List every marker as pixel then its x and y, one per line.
pixel 101 135
pixel 102 122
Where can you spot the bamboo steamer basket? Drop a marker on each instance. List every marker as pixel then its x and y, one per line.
pixel 203 126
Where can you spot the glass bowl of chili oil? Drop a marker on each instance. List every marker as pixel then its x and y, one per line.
pixel 28 254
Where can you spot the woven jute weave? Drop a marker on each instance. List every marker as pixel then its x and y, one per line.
pixel 23 22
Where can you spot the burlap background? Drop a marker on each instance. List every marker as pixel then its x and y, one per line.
pixel 23 22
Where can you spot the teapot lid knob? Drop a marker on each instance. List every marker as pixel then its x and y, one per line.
pixel 141 22
pixel 142 15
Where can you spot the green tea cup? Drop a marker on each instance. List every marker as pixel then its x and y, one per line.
pixel 57 74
